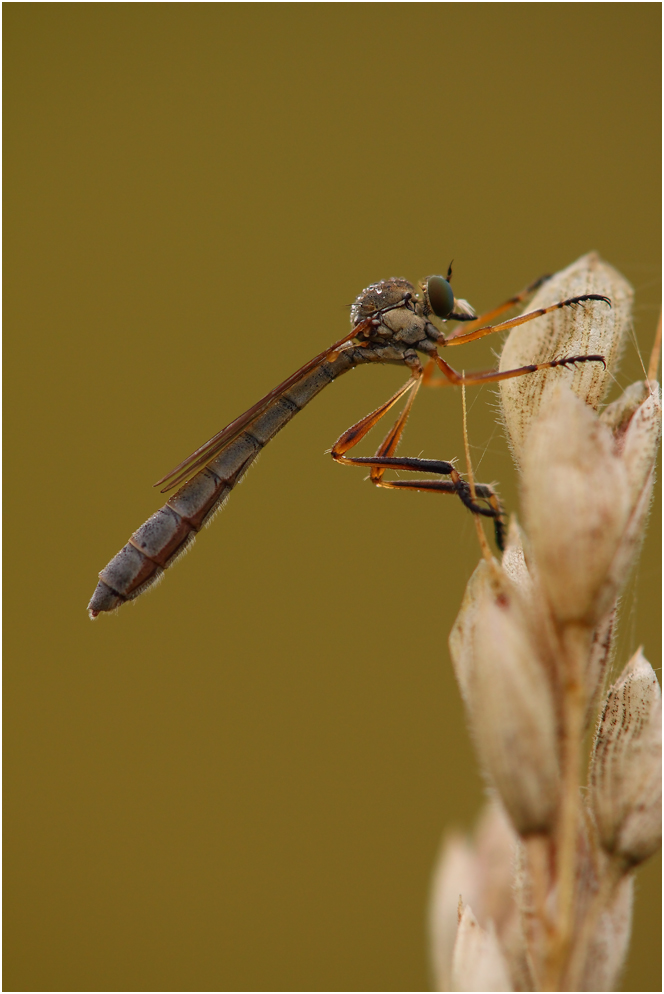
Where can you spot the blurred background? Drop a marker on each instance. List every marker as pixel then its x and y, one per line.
pixel 241 781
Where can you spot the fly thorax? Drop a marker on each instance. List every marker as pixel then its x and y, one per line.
pixel 374 298
pixel 403 325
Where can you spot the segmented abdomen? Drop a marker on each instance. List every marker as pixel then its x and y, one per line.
pixel 169 532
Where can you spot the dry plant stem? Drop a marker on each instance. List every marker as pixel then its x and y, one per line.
pixel 538 853
pixel 481 537
pixel 574 641
pixel 608 882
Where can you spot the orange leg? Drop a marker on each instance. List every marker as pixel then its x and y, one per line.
pixel 493 376
pixel 483 319
pixel 522 319
pixel 385 459
pixel 357 431
pixel 454 379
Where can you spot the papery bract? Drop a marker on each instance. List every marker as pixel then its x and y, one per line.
pixel 506 688
pixel 478 963
pixel 576 501
pixel 626 767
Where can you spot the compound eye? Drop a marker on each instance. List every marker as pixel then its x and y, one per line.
pixel 441 296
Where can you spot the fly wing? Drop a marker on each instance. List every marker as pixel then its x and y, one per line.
pixel 216 445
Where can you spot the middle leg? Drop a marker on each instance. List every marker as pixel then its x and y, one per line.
pixel 453 378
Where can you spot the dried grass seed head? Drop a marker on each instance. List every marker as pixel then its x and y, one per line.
pixel 637 444
pixel 626 766
pixel 478 963
pixel 506 688
pixel 576 500
pixel 455 878
pixel 587 329
pixel 477 872
pixel 599 660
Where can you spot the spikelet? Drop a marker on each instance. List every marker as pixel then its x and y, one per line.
pixel 478 872
pixel 576 504
pixel 626 767
pixel 582 330
pixel 510 704
pixel 477 962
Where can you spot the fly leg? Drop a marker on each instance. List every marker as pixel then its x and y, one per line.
pixel 483 319
pixel 492 508
pixel 385 459
pixel 453 378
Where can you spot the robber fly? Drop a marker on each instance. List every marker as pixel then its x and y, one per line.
pixel 391 322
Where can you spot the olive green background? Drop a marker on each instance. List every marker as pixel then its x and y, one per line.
pixel 241 781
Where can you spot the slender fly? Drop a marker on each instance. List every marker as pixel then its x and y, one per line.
pixel 391 322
